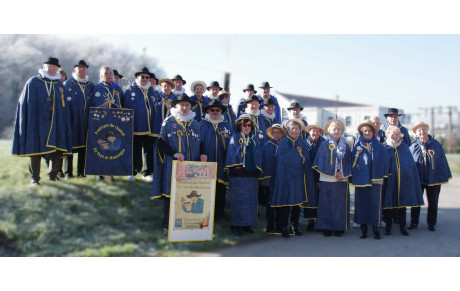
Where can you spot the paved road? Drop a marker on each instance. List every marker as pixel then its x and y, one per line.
pixel 445 242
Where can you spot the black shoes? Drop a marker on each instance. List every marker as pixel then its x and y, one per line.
pixel 363 231
pixel 388 229
pixel 247 229
pixel 35 183
pixel 311 225
pixel 431 228
pixel 285 232
pixel 338 233
pixel 327 233
pixel 236 231
pixel 376 232
pixel 296 229
pixel 404 231
pixel 412 226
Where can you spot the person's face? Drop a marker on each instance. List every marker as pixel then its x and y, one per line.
pixel 295 112
pixel 81 71
pixel 183 107
pixel 63 78
pixel 199 90
pixel 215 113
pixel 395 136
pixel 246 127
pixel 153 82
pixel 367 132
pixel 393 119
pixel 116 78
pixel 166 88
pixel 108 77
pixel 214 91
pixel 294 131
pixel 335 131
pixel 266 92
pixel 50 69
pixel 377 122
pixel 315 134
pixel 249 93
pixel 277 134
pixel 194 199
pixel 269 109
pixel 111 138
pixel 253 105
pixel 225 100
pixel 143 79
pixel 422 132
pixel 178 85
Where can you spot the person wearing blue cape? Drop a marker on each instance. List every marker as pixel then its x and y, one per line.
pixel 269 151
pixel 243 162
pixel 402 188
pixel 78 91
pixel 215 133
pixel 294 112
pixel 370 166
pixel 268 113
pixel 293 184
pixel 229 114
pixel 392 119
pixel 166 96
pixel 266 98
pixel 179 83
pixel 202 101
pixel 314 141
pixel 249 91
pixel 179 140
pixel 107 94
pixel 252 108
pixel 140 97
pixel 433 170
pixel 42 123
pixel 333 163
pixel 214 90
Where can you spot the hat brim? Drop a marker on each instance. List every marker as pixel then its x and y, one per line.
pixel 310 127
pixel 220 88
pixel 290 108
pixel 48 63
pixel 175 101
pixel 183 81
pixel 223 108
pixel 169 81
pixel 371 124
pixel 250 89
pixel 326 127
pixel 193 85
pixel 269 130
pixel 302 125
pixel 414 129
pixel 388 114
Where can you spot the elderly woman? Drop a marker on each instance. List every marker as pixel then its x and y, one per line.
pixel 402 188
pixel 107 92
pixel 215 133
pixel 198 88
pixel 243 162
pixel 229 115
pixel 433 170
pixel 314 140
pixel 293 182
pixel 333 163
pixel 179 140
pixel 269 150
pixel 370 167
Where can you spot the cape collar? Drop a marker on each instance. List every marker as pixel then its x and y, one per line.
pixel 85 80
pixel 175 112
pixel 44 74
pixel 208 118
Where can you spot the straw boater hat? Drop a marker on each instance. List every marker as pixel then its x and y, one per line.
pixel 192 87
pixel 193 194
pixel 288 123
pixel 278 126
pixel 375 130
pixel 392 111
pixel 215 103
pixel 169 81
pixel 223 93
pixel 179 77
pixel 182 97
pixel 418 125
pixel 244 116
pixel 326 127
pixel 310 126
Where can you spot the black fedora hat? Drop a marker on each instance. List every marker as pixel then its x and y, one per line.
pixel 152 76
pixel 253 98
pixel 81 63
pixel 179 77
pixel 143 71
pixel 52 61
pixel 392 111
pixel 214 84
pixel 193 194
pixel 265 85
pixel 295 105
pixel 250 87
pixel 115 73
pixel 270 102
pixel 215 103
pixel 180 98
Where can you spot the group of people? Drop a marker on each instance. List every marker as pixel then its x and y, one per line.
pixel 261 160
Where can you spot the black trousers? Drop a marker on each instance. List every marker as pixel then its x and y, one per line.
pixel 143 142
pixel 432 195
pixel 284 215
pixel 35 166
pixel 221 191
pixel 270 212
pixel 389 213
pixel 167 202
pixel 68 162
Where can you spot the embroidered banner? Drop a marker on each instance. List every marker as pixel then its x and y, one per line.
pixel 109 146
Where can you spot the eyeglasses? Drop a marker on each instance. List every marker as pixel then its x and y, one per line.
pixel 145 77
pixel 215 110
pixel 246 125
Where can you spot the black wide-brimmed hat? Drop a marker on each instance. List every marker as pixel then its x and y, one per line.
pixel 143 71
pixel 215 103
pixel 250 87
pixel 253 98
pixel 295 105
pixel 392 111
pixel 52 61
pixel 180 98
pixel 179 77
pixel 214 84
pixel 152 76
pixel 270 102
pixel 265 85
pixel 115 73
pixel 193 194
pixel 81 63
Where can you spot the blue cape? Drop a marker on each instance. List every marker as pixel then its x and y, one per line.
pixel 269 151
pixel 277 106
pixel 325 160
pixel 236 153
pixel 198 108
pixel 405 138
pixel 144 117
pixel 230 116
pixel 370 163
pixel 104 92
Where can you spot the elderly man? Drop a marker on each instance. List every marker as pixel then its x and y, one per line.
pixel 266 96
pixel 179 140
pixel 294 112
pixel 252 108
pixel 78 91
pixel 140 97
pixel 179 82
pixel 42 121
pixel 107 93
pixel 215 133
pixel 117 76
pixel 393 120
pixel 202 101
pixel 268 112
pixel 166 95
pixel 214 89
pixel 381 134
pixel 249 91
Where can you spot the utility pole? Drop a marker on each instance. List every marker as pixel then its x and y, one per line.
pixel 336 105
pixel 449 133
pixel 227 82
pixel 432 121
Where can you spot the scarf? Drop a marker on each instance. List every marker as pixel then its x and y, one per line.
pixel 256 113
pixel 79 80
pixel 208 118
pixel 175 112
pixel 47 76
pixel 269 116
pixel 146 87
pixel 341 147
